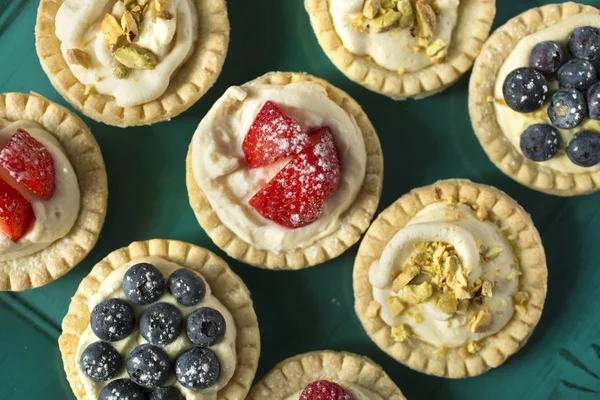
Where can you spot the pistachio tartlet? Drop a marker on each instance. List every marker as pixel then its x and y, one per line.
pixel 544 133
pixel 285 171
pixel 402 48
pixel 132 62
pixel 451 279
pixel 161 316
pixel 53 191
pixel 342 376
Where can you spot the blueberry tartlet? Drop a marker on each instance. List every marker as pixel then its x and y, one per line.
pixel 402 48
pixel 161 320
pixel 535 99
pixel 451 279
pixel 285 171
pixel 132 62
pixel 53 191
pixel 326 375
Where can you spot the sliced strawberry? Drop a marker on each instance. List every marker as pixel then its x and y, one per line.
pixel 295 197
pixel 16 214
pixel 30 163
pixel 273 136
pixel 325 390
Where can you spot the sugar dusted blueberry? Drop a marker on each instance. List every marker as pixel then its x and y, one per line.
pixel 143 283
pixel 148 366
pixel 584 43
pixel 100 361
pixel 525 90
pixel 593 101
pixel 584 149
pixel 161 324
pixel 540 142
pixel 167 393
pixel 205 326
pixel 122 389
pixel 197 368
pixel 546 57
pixel 187 287
pixel 577 74
pixel 567 108
pixel 112 320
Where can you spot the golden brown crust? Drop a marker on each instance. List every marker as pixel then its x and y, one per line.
pixel 293 374
pixel 355 220
pixel 190 82
pixel 472 29
pixel 84 154
pixel 528 248
pixel 224 283
pixel 499 149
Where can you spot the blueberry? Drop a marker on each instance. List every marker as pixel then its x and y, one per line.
pixel 161 324
pixel 112 320
pixel 584 43
pixel 540 142
pixel 166 394
pixel 100 361
pixel 187 287
pixel 148 366
pixel 205 326
pixel 122 389
pixel 143 284
pixel 197 368
pixel 593 99
pixel 577 74
pixel 584 149
pixel 525 90
pixel 546 57
pixel 567 108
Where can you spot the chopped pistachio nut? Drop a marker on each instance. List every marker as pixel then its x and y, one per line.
pixel 130 26
pixel 462 307
pixel 447 303
pixel 111 29
pixel 493 252
pixel 372 309
pixel 437 51
pixel 426 19
pixel 385 21
pixel 396 306
pixel 520 308
pixel 416 294
pixel 136 57
pixel 486 288
pixel 480 320
pixel 418 318
pixel 461 278
pixel 404 278
pixel 371 8
pixel 129 3
pixel 521 297
pixel 481 214
pixel 89 89
pixel 78 57
pixel 401 333
pixel 401 71
pixel 161 8
pixel 441 351
pixel 358 23
pixel 473 347
pixel 143 2
pixel 451 266
pixel 405 9
pixel 121 71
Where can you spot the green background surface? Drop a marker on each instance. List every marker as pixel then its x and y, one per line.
pixel 423 141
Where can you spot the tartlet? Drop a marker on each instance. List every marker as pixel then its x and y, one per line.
pixel 471 279
pixel 428 64
pixel 223 290
pixel 509 48
pixel 291 376
pixel 190 79
pixel 267 244
pixel 81 183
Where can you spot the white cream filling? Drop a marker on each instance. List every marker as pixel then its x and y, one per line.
pixel 436 223
pixel 393 49
pixel 358 392
pixel 220 169
pixel 78 26
pixel 225 349
pixel 54 218
pixel 513 123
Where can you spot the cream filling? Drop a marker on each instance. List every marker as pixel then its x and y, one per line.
pixel 54 218
pixel 513 123
pixel 358 392
pixel 393 49
pixel 225 349
pixel 78 26
pixel 436 223
pixel 221 172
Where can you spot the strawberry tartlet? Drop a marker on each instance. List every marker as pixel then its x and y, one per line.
pixel 285 172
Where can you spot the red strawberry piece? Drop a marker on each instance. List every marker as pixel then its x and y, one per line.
pixel 30 163
pixel 325 390
pixel 16 214
pixel 295 197
pixel 273 136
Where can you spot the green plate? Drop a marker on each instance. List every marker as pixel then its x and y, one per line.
pixel 423 141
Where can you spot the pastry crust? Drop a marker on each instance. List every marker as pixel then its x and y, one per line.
pixel 224 283
pixel 355 220
pixel 79 144
pixel 293 374
pixel 528 248
pixel 188 83
pixel 472 29
pixel 499 149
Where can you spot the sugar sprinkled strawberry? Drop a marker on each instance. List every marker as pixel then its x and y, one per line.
pixel 16 214
pixel 325 390
pixel 30 163
pixel 295 197
pixel 273 136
